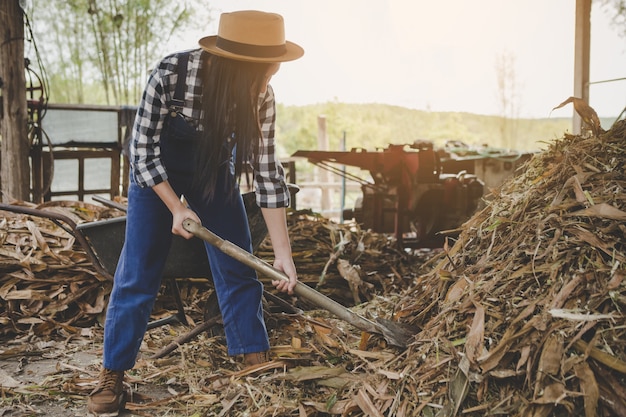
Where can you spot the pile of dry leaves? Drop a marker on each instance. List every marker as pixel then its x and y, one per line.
pixel 522 315
pixel 46 280
pixel 525 312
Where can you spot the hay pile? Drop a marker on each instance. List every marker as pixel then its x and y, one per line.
pixel 524 314
pixel 47 281
pixel 346 263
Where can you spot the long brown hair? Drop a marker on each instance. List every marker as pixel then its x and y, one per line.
pixel 230 94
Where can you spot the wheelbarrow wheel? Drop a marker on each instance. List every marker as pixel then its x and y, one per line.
pixel 211 310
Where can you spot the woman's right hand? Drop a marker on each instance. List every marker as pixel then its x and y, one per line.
pixel 180 212
pixel 179 216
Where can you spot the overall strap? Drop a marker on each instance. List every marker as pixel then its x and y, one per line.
pixel 178 102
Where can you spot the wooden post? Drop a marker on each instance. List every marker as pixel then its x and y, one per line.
pixel 324 178
pixel 582 52
pixel 14 167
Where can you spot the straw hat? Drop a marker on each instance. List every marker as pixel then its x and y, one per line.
pixel 250 35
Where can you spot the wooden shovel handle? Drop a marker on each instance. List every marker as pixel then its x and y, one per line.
pixel 268 270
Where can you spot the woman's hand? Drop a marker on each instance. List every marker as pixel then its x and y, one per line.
pixel 180 212
pixel 289 268
pixel 179 216
pixel 276 220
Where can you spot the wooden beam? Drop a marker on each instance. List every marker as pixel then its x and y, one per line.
pixel 582 47
pixel 14 166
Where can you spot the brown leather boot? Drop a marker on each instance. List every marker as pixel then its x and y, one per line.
pixel 108 398
pixel 256 358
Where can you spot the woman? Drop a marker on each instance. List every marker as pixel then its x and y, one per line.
pixel 204 114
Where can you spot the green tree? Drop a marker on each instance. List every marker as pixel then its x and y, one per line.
pixel 618 9
pixel 508 95
pixel 109 45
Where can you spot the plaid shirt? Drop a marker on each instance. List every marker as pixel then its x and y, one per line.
pixel 145 150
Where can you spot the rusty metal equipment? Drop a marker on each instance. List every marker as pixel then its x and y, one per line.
pixel 408 194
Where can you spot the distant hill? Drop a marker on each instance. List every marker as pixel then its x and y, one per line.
pixel 376 125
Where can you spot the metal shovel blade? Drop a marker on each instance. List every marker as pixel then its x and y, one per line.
pixel 395 334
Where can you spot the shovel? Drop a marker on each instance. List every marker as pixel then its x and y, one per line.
pixel 394 333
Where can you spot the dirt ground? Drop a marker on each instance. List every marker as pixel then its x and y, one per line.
pixel 53 378
pixel 31 371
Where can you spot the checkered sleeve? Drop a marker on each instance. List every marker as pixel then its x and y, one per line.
pixel 269 175
pixel 145 151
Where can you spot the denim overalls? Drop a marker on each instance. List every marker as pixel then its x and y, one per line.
pixel 148 238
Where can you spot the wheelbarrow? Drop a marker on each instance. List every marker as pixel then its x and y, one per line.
pixel 102 242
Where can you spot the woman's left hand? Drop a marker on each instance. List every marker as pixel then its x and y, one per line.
pixel 289 268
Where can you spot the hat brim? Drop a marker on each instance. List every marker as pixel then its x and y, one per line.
pixel 292 52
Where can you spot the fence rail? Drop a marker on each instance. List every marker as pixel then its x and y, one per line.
pixel 80 133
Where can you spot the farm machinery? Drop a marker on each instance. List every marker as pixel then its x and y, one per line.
pixel 408 195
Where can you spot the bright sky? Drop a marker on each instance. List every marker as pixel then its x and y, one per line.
pixel 440 55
